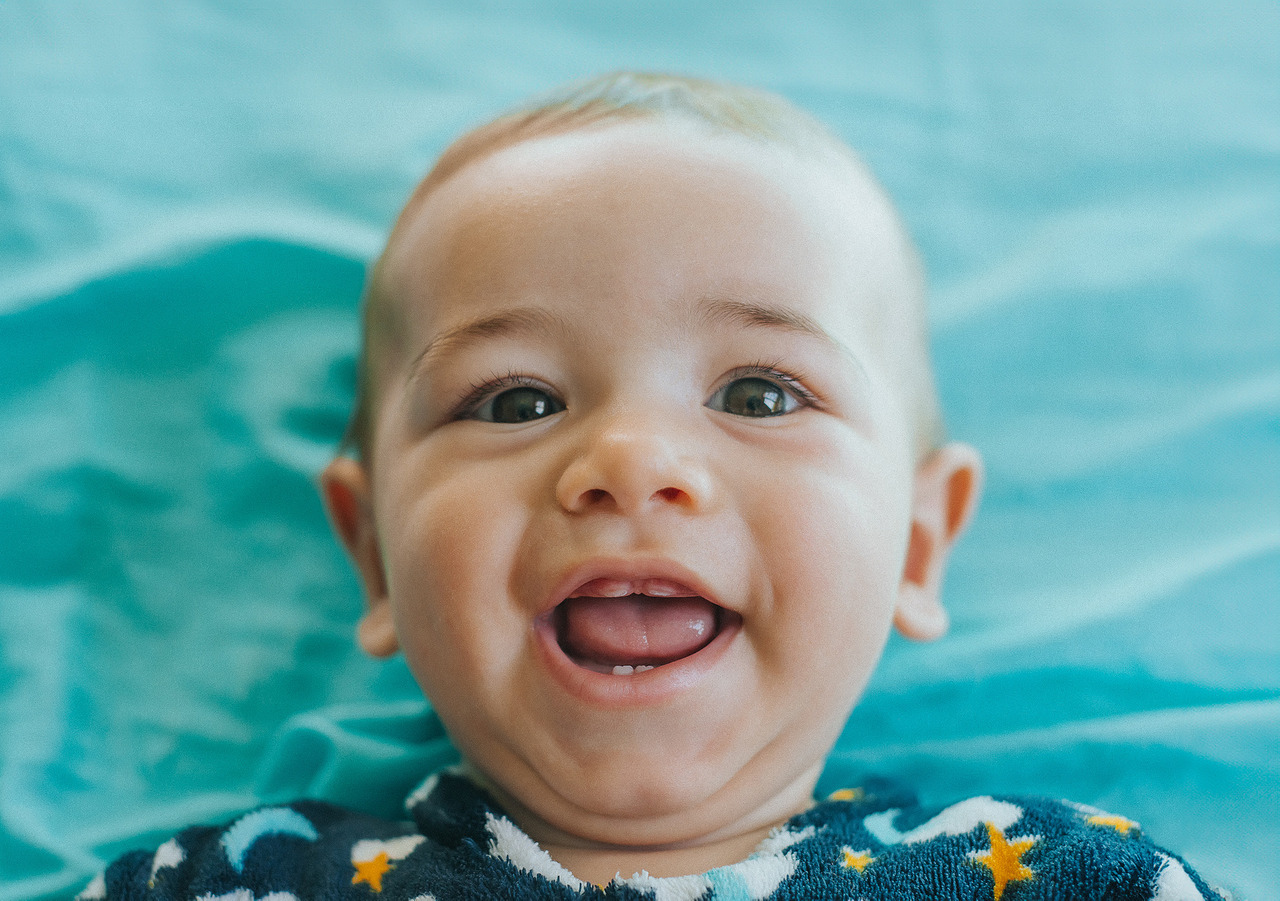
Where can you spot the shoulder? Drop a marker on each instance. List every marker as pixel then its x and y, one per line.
pixel 277 849
pixel 981 846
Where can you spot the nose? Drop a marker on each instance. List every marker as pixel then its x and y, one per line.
pixel 632 465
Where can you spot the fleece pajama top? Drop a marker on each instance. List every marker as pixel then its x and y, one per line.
pixel 868 842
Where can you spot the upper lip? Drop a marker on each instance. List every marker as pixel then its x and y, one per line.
pixel 628 569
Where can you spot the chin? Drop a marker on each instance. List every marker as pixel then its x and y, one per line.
pixel 655 796
pixel 652 792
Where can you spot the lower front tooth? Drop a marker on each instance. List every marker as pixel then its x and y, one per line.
pixel 643 669
pixel 623 670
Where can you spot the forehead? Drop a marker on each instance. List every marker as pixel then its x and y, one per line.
pixel 652 209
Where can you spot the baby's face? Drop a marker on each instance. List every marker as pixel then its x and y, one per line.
pixel 642 480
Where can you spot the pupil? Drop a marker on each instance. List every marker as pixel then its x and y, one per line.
pixel 520 405
pixel 753 397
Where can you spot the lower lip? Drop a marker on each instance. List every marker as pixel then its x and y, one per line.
pixel 637 689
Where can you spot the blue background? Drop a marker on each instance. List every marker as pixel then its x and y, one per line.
pixel 190 193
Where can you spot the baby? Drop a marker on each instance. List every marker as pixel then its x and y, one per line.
pixel 646 462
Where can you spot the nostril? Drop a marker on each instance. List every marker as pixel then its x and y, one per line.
pixel 628 477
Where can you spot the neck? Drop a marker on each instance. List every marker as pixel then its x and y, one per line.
pixel 598 861
pixel 599 865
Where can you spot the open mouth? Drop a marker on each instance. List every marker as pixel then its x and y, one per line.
pixel 627 627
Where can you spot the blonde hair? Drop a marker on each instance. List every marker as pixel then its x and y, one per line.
pixel 593 103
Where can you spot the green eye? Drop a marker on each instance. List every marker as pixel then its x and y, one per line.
pixel 754 397
pixel 518 405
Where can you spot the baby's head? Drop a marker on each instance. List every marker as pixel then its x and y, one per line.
pixel 702 109
pixel 648 458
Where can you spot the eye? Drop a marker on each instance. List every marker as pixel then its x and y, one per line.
pixel 519 404
pixel 756 397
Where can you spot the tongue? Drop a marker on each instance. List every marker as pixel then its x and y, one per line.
pixel 636 629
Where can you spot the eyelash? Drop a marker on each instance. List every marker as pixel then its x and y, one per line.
pixel 483 390
pixel 480 391
pixel 791 380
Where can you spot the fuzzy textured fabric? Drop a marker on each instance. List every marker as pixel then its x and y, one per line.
pixel 872 841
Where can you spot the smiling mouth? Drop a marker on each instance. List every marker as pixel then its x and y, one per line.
pixel 627 627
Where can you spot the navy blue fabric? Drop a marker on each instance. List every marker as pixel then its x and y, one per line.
pixel 876 844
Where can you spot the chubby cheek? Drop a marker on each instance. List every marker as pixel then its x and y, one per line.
pixel 449 544
pixel 835 544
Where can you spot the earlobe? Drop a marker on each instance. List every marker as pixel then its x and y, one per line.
pixel 947 486
pixel 344 486
pixel 376 632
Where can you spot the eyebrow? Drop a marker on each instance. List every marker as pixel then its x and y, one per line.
pixel 720 310
pixel 539 321
pixel 529 321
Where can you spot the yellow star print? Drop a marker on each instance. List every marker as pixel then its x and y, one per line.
pixel 856 860
pixel 1118 823
pixel 847 794
pixel 372 871
pixel 1004 860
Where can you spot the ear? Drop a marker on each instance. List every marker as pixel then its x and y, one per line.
pixel 345 487
pixel 947 487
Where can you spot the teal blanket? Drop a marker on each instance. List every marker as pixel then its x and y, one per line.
pixel 190 193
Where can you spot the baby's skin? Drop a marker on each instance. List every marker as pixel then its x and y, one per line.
pixel 645 490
